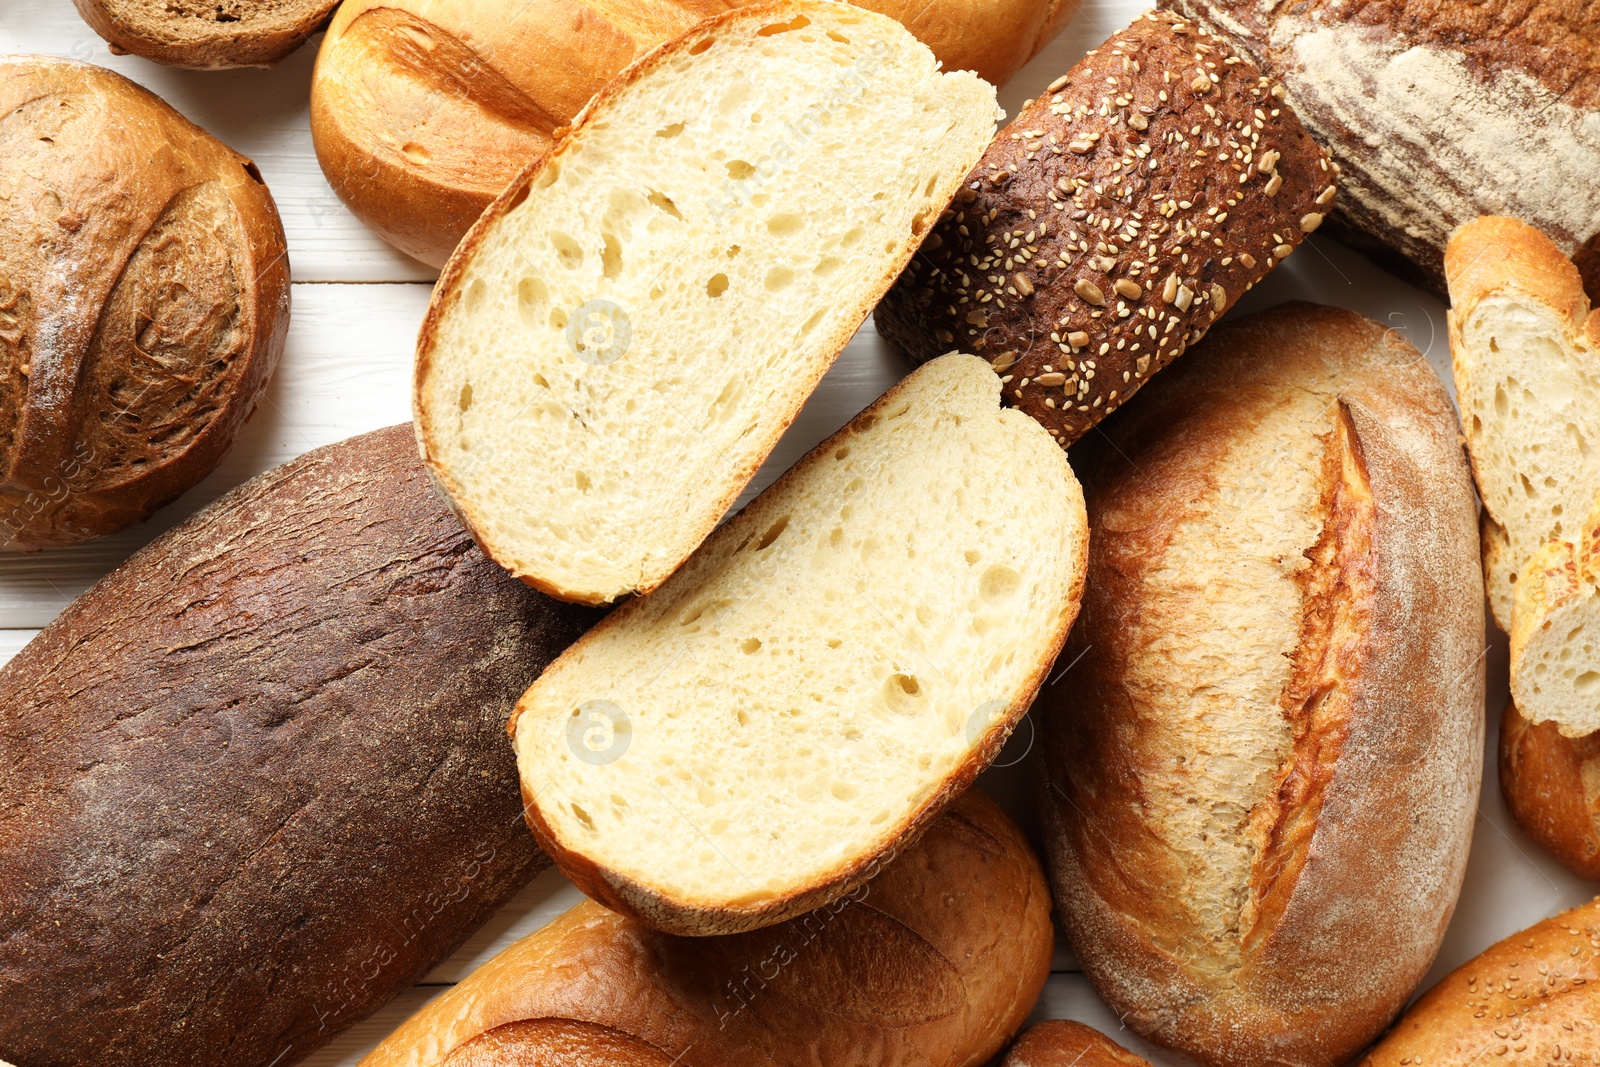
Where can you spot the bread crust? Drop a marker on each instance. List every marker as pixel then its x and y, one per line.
pixel 936 962
pixel 1552 786
pixel 418 138
pixel 446 292
pixel 1534 998
pixel 1062 1043
pixel 1356 844
pixel 207 36
pixel 255 783
pixel 144 305
pixel 1019 270
pixel 651 905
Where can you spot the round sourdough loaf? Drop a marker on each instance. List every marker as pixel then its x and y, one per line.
pixel 422 111
pixel 1552 786
pixel 144 299
pixel 207 34
pixel 935 963
pixel 1262 767
pixel 256 780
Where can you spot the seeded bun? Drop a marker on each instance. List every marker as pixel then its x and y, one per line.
pixel 1102 233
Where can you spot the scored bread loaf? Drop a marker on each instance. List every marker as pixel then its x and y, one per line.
pixel 209 35
pixel 935 963
pixel 423 110
pixel 1262 769
pixel 813 687
pixel 1113 222
pixel 1532 999
pixel 1526 353
pixel 1438 113
pixel 1062 1043
pixel 1555 632
pixel 628 330
pixel 144 301
pixel 1552 786
pixel 255 781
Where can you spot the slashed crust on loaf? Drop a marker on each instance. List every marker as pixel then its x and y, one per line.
pixel 1552 785
pixel 1260 778
pixel 819 680
pixel 1532 999
pixel 207 34
pixel 1438 112
pixel 1061 1043
pixel 1526 354
pixel 625 334
pixel 1113 222
pixel 936 961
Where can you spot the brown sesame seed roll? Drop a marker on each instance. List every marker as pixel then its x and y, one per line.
pixel 1113 222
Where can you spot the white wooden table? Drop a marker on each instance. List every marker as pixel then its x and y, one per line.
pixel 357 304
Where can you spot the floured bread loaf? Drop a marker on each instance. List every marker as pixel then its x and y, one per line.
pixel 823 676
pixel 624 335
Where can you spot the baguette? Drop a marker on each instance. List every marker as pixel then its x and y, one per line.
pixel 210 35
pixel 422 111
pixel 1060 1043
pixel 1552 786
pixel 1113 222
pixel 255 782
pixel 820 680
pixel 1555 632
pixel 1534 998
pixel 933 964
pixel 1526 352
pixel 1438 113
pixel 1263 767
pixel 144 301
pixel 627 331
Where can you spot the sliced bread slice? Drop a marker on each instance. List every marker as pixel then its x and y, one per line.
pixel 1526 351
pixel 1555 633
pixel 823 676
pixel 624 335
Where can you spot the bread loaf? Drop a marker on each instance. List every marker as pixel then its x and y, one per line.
pixel 422 111
pixel 1552 786
pixel 210 35
pixel 1526 353
pixel 1061 1043
pixel 935 963
pixel 627 332
pixel 1438 113
pixel 1534 998
pixel 832 667
pixel 1262 767
pixel 144 299
pixel 255 780
pixel 1113 222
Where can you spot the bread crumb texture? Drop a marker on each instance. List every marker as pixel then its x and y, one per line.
pixel 825 670
pixel 1113 222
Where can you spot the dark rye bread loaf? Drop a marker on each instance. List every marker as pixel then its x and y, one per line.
pixel 207 34
pixel 1439 113
pixel 257 780
pixel 1108 226
pixel 144 301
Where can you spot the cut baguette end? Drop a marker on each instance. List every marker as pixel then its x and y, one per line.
pixel 623 336
pixel 823 676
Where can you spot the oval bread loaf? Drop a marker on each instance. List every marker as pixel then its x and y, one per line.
pixel 144 301
pixel 1552 786
pixel 1533 999
pixel 1109 225
pixel 207 34
pixel 256 782
pixel 935 963
pixel 1262 773
pixel 1062 1043
pixel 422 111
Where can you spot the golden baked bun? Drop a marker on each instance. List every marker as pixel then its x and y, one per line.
pixel 423 110
pixel 144 299
pixel 207 34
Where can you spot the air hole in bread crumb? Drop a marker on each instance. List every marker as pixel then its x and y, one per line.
pixel 416 153
pixel 919 225
pixel 843 453
pixel 464 402
pixel 774 532
pixel 835 35
pixel 475 294
pixel 547 177
pixel 750 646
pixel 853 237
pixel 844 791
pixel 518 198
pixel 583 817
pixel 739 170
pixel 834 642
pixel 581 480
pixel 670 131
pixel 610 256
pixel 903 693
pixel 568 252
pixel 786 224
pixel 533 296
pixel 779 279
pixel 933 183
pixel 827 265
pixel 701 47
pixel 811 323
pixel 1586 681
pixel 558 319
pixel 664 203
pixel 999 583
pixel 799 22
pixel 717 285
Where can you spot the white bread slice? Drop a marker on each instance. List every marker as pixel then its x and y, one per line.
pixel 1526 351
pixel 1555 633
pixel 624 335
pixel 823 676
